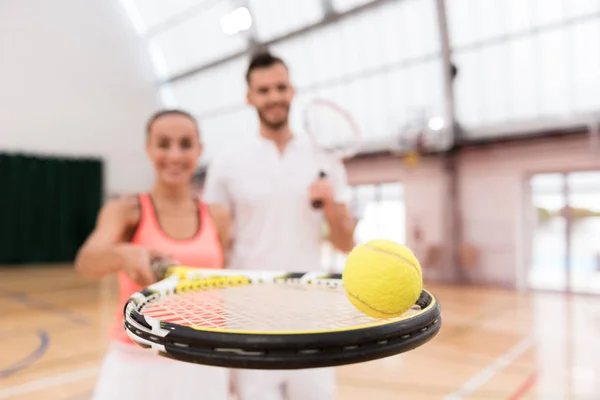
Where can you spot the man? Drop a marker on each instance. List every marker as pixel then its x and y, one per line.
pixel 266 185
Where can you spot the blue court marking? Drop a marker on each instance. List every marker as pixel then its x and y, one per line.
pixel 45 306
pixel 44 337
pixel 30 359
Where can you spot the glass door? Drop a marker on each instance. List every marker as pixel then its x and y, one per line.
pixel 549 241
pixel 584 231
pixel 565 249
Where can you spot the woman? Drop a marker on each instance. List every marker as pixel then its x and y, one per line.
pixel 167 222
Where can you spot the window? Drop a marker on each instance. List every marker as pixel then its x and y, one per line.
pixel 521 60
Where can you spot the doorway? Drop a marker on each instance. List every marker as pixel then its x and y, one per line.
pixel 565 242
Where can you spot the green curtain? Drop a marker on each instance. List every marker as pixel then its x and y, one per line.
pixel 48 206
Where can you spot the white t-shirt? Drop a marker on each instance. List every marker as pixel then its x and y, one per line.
pixel 275 226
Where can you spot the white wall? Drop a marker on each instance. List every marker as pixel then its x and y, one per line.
pixel 76 80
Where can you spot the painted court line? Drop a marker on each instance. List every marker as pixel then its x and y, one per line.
pixel 49 382
pixel 42 305
pixel 492 369
pixel 35 355
pixel 524 388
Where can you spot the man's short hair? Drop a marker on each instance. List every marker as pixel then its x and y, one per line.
pixel 262 59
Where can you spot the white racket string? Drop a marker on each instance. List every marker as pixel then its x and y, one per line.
pixel 266 307
pixel 331 129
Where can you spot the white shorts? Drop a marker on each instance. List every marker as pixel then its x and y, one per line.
pixel 133 373
pixel 304 384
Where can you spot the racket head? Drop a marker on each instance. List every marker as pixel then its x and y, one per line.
pixel 331 129
pixel 268 320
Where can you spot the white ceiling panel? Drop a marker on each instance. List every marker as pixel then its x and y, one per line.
pixel 213 90
pixel 276 17
pixel 155 13
pixel 197 41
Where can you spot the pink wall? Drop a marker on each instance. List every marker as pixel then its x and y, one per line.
pixel 493 198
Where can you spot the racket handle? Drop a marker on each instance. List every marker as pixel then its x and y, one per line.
pixel 160 267
pixel 319 203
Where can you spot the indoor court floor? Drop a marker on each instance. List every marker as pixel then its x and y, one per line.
pixel 494 344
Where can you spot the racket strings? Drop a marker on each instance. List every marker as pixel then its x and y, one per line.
pixel 330 129
pixel 187 309
pixel 265 307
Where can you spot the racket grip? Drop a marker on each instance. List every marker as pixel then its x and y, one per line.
pixel 160 267
pixel 316 204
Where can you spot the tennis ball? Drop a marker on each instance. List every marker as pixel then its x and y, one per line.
pixel 382 278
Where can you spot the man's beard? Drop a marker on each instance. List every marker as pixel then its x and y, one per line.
pixel 273 125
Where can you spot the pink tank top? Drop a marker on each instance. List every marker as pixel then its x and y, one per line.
pixel 202 250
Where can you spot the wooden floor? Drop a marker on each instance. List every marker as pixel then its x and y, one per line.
pixel 493 344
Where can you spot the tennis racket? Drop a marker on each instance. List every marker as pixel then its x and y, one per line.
pixel 333 132
pixel 268 320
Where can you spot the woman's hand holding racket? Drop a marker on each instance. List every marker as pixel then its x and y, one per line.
pixel 136 262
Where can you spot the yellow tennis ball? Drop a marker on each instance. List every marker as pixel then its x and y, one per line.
pixel 382 278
